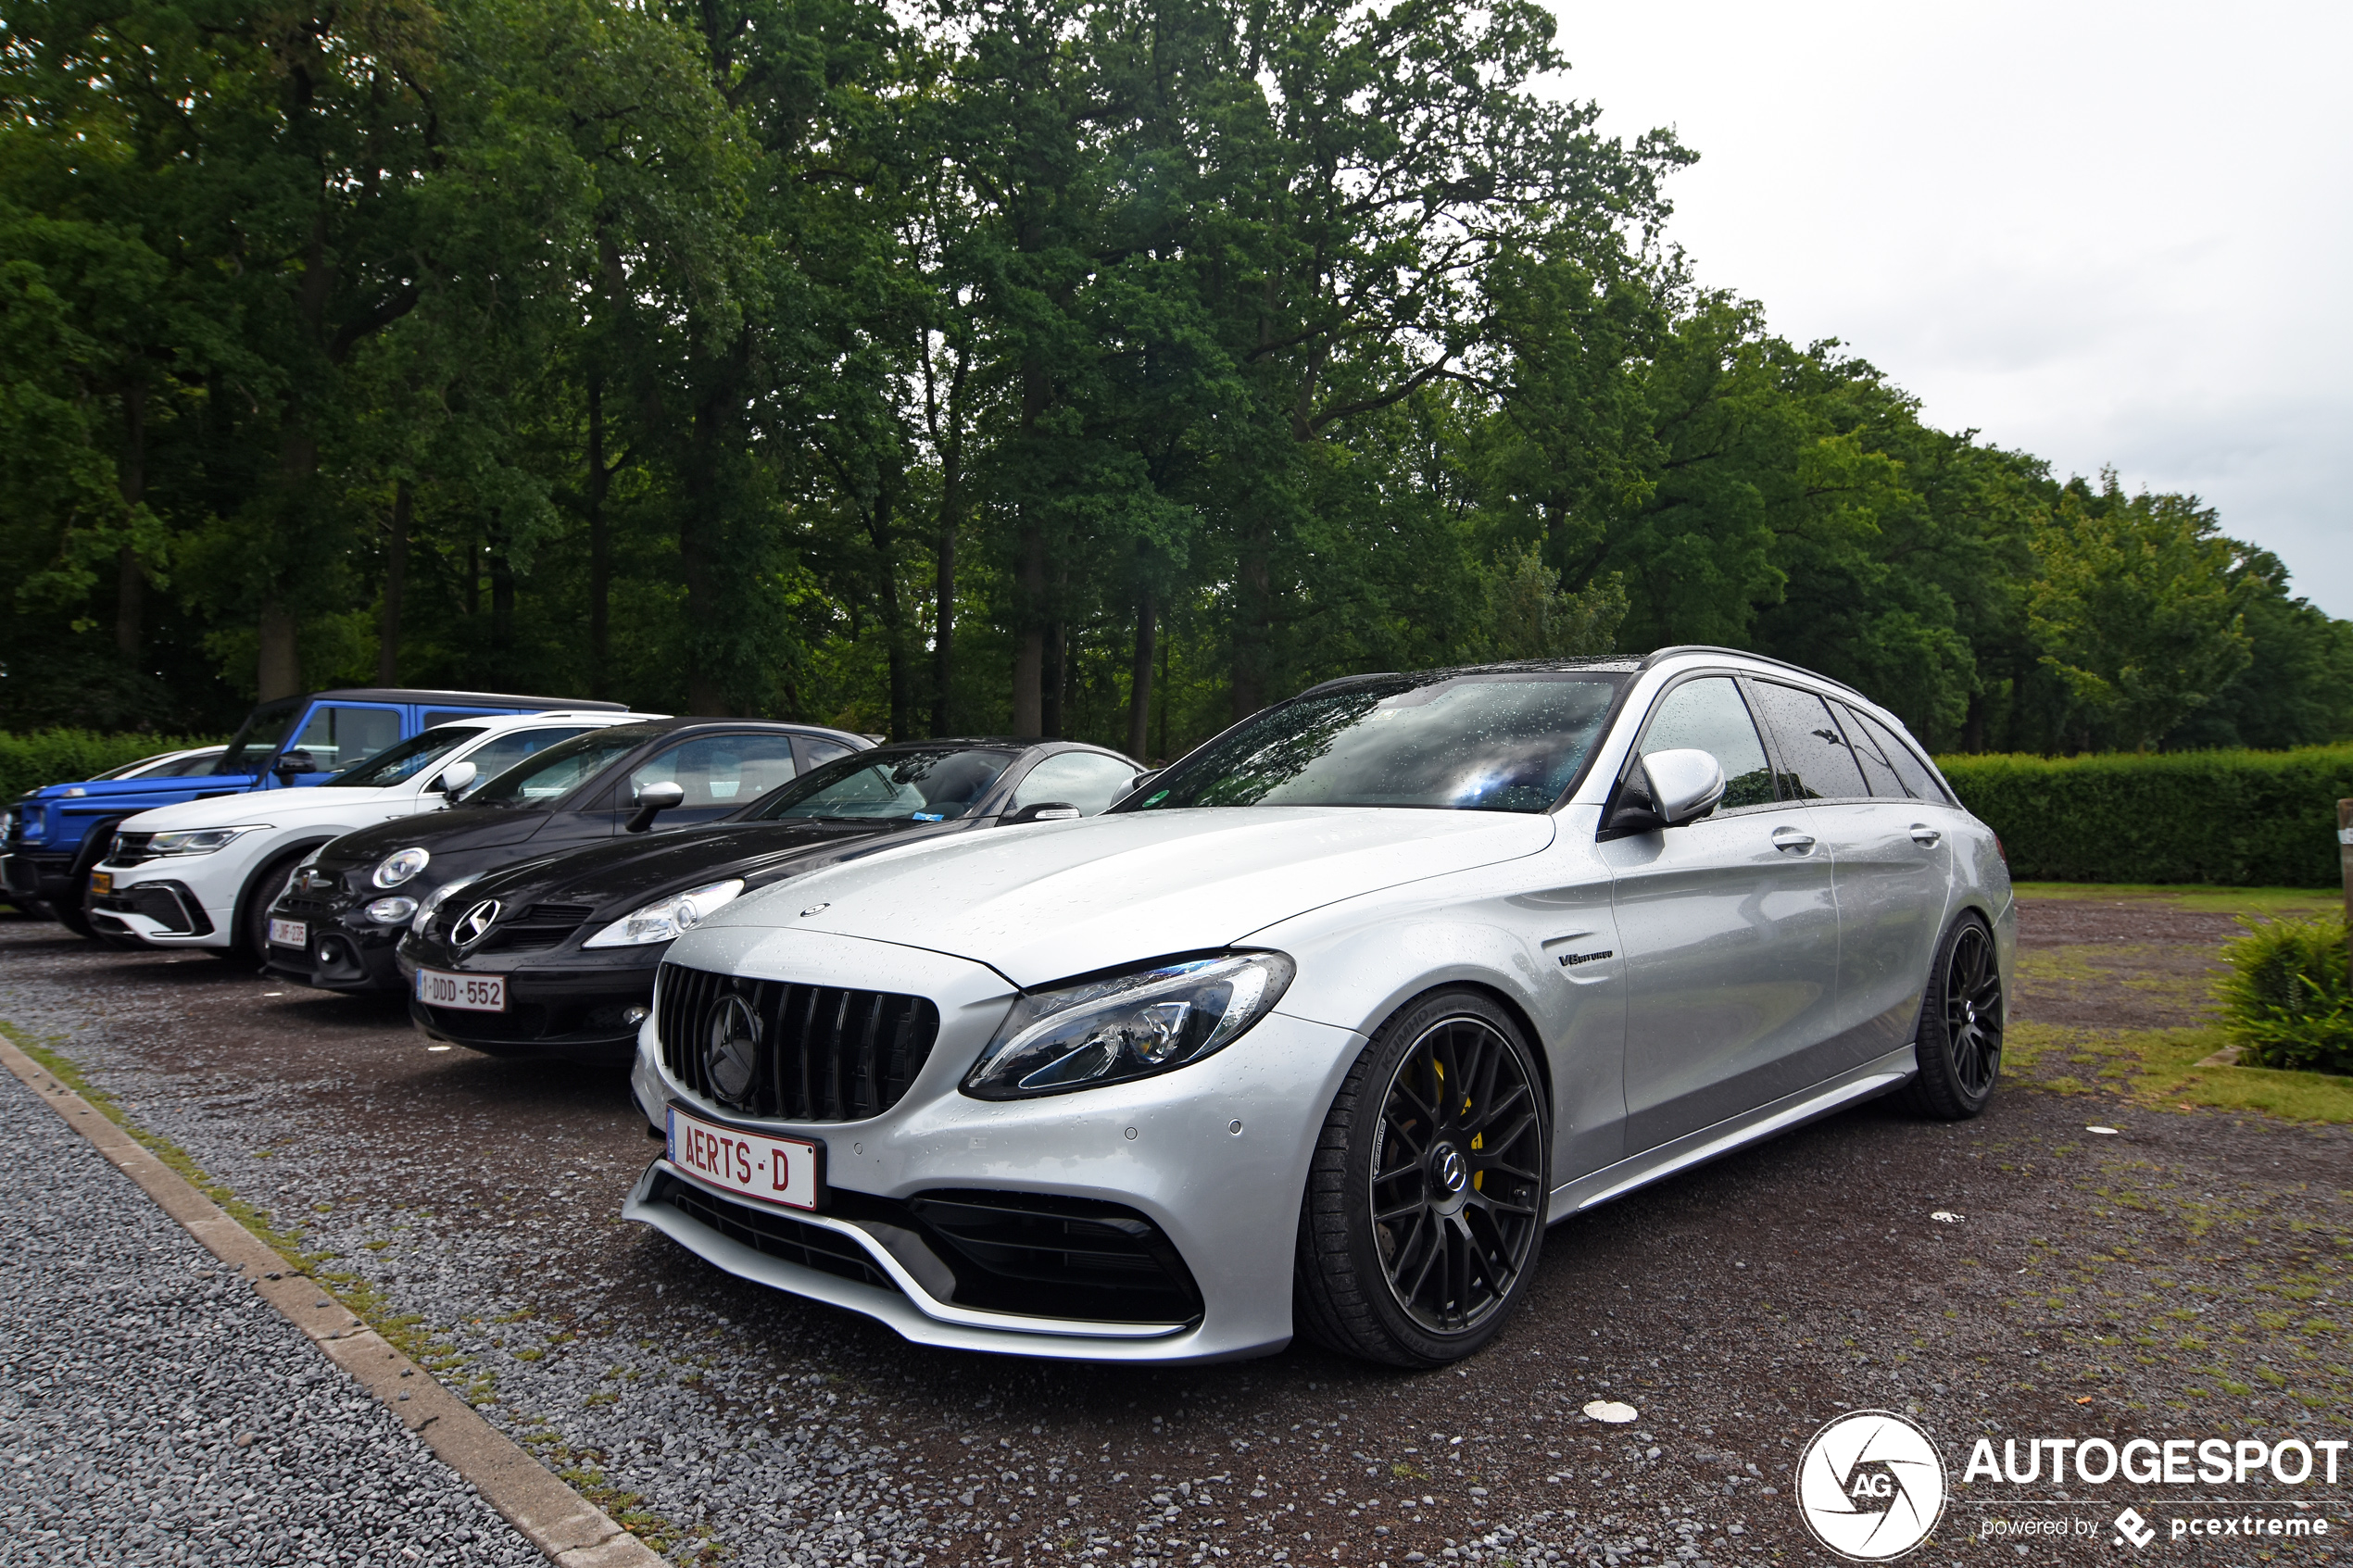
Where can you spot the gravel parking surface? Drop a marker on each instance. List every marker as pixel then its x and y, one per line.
pixel 472 1205
pixel 154 1410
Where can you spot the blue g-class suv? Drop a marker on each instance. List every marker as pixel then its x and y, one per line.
pixel 57 832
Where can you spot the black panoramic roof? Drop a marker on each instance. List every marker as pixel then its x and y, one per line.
pixel 1607 664
pixel 468 699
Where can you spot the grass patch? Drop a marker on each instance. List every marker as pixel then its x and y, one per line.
pixel 2162 1070
pixel 2194 900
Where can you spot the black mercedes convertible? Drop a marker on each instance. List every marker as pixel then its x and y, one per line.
pixel 555 956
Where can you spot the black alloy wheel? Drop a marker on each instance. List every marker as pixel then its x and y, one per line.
pixel 1424 1205
pixel 1962 1021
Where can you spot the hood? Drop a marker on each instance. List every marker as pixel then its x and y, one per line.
pixel 1047 900
pixel 451 831
pixel 619 874
pixel 128 791
pixel 276 806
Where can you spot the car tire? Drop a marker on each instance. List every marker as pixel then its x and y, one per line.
pixel 252 935
pixel 1367 1278
pixel 1963 1018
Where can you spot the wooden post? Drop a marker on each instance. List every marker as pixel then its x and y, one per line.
pixel 2345 867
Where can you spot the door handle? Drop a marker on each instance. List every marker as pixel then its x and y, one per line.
pixel 1790 838
pixel 1925 835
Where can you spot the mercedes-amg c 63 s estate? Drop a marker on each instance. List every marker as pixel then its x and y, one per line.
pixel 1319 1029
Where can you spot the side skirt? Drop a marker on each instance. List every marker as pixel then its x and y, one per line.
pixel 1856 1084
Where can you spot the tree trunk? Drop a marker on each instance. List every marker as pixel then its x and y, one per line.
pixel 279 672
pixel 396 587
pixel 599 547
pixel 705 691
pixel 943 642
pixel 1253 626
pixel 880 527
pixel 502 615
pixel 1029 649
pixel 130 577
pixel 1973 726
pixel 1163 752
pixel 1139 685
pixel 1053 678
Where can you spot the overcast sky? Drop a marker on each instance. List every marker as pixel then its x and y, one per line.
pixel 2109 234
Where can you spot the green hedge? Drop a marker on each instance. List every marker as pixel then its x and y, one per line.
pixel 47 757
pixel 2227 819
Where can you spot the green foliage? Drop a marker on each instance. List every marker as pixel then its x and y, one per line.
pixel 2288 1000
pixel 1529 616
pixel 2228 819
pixel 30 759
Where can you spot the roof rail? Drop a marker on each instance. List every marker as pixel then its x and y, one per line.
pixel 1658 654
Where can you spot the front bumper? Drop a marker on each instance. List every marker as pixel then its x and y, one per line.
pixel 1214 1156
pixel 343 949
pixel 571 1014
pixel 33 877
pixel 161 911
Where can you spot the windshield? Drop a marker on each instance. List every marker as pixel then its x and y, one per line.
pixel 256 739
pixel 928 786
pixel 406 760
pixel 537 780
pixel 1475 743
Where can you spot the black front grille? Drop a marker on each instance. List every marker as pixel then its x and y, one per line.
pixel 305 905
pixel 542 925
pixel 766 1230
pixel 131 848
pixel 825 1053
pixel 1046 1255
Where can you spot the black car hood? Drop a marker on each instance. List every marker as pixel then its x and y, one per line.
pixel 617 875
pixel 453 832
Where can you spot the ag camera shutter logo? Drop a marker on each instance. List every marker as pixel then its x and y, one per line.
pixel 1870 1486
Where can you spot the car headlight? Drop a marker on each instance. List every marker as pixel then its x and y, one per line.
pixel 1127 1026
pixel 399 866
pixel 666 919
pixel 392 911
pixel 196 841
pixel 434 901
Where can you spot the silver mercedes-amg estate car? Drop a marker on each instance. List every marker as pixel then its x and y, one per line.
pixel 1319 1028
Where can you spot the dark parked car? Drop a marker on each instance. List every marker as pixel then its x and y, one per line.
pixel 341 913
pixel 556 956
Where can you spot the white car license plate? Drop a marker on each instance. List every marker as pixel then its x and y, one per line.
pixel 467 993
pixel 289 934
pixel 781 1171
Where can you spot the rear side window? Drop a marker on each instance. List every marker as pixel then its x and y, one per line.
pixel 1076 778
pixel 1815 763
pixel 1877 771
pixel 1708 715
pixel 719 770
pixel 1918 782
pixel 815 751
pixel 451 715
pixel 501 752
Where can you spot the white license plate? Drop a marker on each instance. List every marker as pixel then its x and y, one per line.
pixel 467 993
pixel 784 1171
pixel 289 934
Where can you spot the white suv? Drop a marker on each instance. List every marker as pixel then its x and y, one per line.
pixel 203 874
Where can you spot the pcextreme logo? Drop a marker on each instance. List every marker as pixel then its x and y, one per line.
pixel 1870 1486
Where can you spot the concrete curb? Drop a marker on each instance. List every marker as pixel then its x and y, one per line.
pixel 573 1531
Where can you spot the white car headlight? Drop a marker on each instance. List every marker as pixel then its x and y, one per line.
pixel 1128 1026
pixel 392 911
pixel 666 919
pixel 197 841
pixel 434 901
pixel 399 866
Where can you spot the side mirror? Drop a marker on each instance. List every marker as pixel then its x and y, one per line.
pixel 455 779
pixel 1685 785
pixel 291 763
pixel 652 801
pixel 1042 811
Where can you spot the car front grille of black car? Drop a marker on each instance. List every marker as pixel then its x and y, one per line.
pixel 770 1231
pixel 542 925
pixel 131 848
pixel 305 906
pixel 823 1053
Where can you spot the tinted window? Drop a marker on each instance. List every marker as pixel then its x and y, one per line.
pixel 1708 715
pixel 927 784
pixel 339 737
pixel 1474 743
pixel 451 715
pixel 258 735
pixel 725 770
pixel 1877 772
pixel 499 753
pixel 187 767
pixel 538 779
pixel 1083 779
pixel 1918 782
pixel 1816 764
pixel 816 752
pixel 406 760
